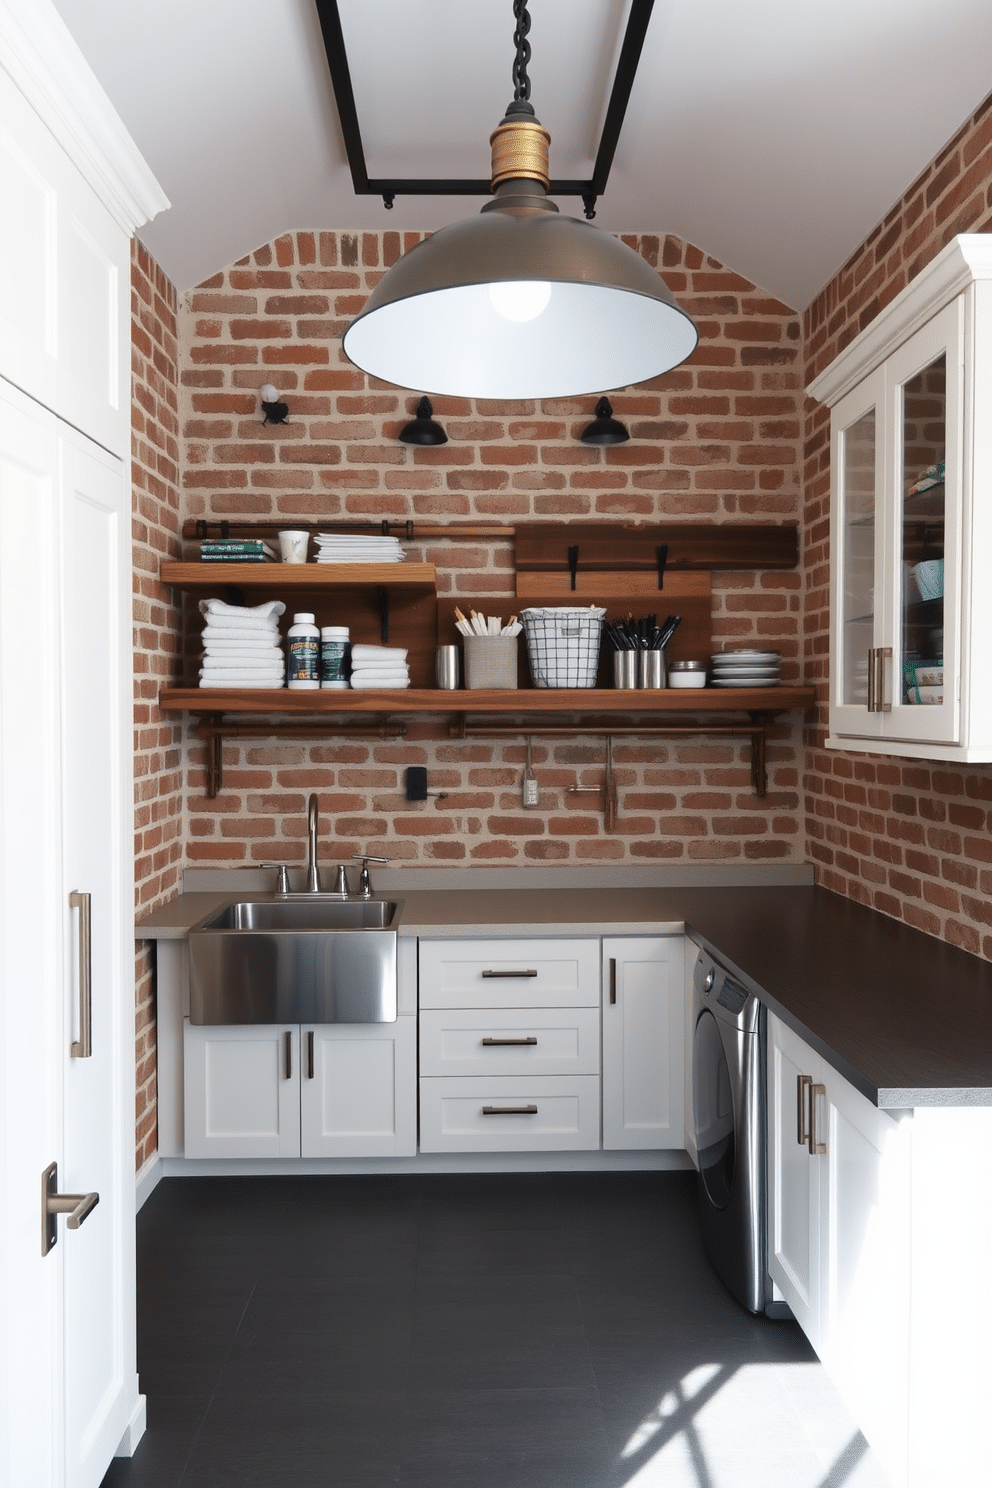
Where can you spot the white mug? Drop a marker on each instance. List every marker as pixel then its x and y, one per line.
pixel 293 546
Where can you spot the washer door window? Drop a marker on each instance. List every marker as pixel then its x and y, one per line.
pixel 713 1111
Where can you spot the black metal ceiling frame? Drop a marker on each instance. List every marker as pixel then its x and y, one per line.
pixel 389 188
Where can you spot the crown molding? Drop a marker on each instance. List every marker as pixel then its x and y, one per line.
pixel 40 56
pixel 966 259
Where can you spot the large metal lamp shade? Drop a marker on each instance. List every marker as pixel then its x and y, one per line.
pixel 441 318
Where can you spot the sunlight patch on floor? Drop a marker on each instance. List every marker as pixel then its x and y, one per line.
pixel 760 1426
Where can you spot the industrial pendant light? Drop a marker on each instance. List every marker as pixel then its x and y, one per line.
pixel 520 302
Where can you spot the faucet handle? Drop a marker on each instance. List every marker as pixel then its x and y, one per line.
pixel 282 876
pixel 365 880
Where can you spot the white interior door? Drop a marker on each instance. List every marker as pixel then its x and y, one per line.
pixel 71 1386
pixel 98 1259
pixel 31 923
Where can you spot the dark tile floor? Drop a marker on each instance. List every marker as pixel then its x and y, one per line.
pixel 483 1331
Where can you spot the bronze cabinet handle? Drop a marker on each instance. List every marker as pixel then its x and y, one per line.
pixel 613 979
pixel 310 1054
pixel 816 1147
pixel 509 973
pixel 493 1043
pixel 288 1043
pixel 803 1085
pixel 509 1110
pixel 82 1048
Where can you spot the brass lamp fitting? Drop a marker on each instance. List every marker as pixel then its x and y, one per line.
pixel 520 152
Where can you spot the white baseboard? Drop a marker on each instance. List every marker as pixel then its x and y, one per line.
pixel 147 1179
pixel 135 1429
pixel 471 1162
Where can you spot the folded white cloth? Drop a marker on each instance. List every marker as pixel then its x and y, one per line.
pixel 380 679
pixel 242 614
pixel 373 675
pixel 220 679
pixel 244 636
pixel 249 647
pixel 246 661
pixel 363 656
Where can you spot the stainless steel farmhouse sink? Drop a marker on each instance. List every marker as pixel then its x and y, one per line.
pixel 306 912
pixel 305 959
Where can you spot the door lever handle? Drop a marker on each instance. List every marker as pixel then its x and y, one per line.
pixel 76 1206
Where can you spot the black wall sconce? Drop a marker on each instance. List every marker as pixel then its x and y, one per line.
pixel 275 412
pixel 605 429
pixel 423 429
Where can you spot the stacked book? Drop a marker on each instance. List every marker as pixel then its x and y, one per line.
pixel 347 547
pixel 379 666
pixel 236 550
pixel 241 645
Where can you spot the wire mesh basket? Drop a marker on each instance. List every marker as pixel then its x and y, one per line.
pixel 563 645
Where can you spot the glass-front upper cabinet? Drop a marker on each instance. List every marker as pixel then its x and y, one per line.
pixel 911 517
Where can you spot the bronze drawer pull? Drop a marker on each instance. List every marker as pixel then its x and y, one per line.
pixel 509 973
pixel 803 1084
pixel 509 1110
pixel 491 1043
pixel 816 1147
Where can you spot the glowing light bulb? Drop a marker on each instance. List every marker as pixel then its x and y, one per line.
pixel 520 299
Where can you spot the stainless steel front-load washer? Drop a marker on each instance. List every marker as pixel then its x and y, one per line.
pixel 728 1107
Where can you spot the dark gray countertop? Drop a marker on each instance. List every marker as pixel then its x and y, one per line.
pixel 904 1017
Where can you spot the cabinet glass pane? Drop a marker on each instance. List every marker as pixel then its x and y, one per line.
pixel 921 531
pixel 859 557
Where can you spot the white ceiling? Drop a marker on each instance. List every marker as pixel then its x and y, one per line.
pixel 773 134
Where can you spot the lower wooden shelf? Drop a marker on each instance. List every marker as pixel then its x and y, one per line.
pixel 246 712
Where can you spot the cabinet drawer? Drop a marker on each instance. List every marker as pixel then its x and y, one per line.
pixel 561 1112
pixel 563 1041
pixel 509 973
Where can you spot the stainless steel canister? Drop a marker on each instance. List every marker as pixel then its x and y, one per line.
pixel 625 669
pixel 651 669
pixel 446 668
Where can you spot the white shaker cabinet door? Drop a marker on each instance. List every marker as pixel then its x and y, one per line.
pixel 242 1090
pixel 64 287
pixel 793 1179
pixel 643 1043
pixel 865 1225
pixel 358 1092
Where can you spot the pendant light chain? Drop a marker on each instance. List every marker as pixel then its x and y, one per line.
pixel 521 82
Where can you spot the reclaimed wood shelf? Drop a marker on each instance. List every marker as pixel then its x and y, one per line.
pixel 246 712
pixel 203 577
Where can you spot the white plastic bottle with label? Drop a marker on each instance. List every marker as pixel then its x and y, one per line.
pixel 334 656
pixel 303 659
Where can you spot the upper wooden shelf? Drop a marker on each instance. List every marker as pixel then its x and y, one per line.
pixel 544 700
pixel 299 576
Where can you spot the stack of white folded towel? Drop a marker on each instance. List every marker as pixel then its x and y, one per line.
pixel 379 666
pixel 241 645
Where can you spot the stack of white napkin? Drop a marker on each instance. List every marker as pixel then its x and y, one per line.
pixel 356 548
pixel 379 666
pixel 241 645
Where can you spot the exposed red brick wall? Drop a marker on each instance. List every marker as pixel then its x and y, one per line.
pixel 158 782
pixel 911 838
pixel 717 438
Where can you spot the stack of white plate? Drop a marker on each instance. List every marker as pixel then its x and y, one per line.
pixel 747 668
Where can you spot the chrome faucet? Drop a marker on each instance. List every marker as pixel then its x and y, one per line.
pixel 313 872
